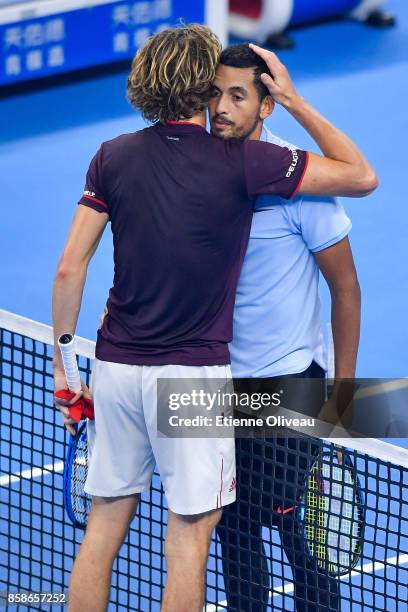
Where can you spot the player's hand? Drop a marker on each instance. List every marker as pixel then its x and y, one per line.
pixel 102 317
pixel 280 85
pixel 333 413
pixel 63 405
pixel 339 454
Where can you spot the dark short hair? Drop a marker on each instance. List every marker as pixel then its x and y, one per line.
pixel 173 74
pixel 242 56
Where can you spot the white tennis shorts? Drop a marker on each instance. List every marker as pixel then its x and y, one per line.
pixel 198 474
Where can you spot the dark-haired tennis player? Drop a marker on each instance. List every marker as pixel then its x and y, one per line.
pixel 277 333
pixel 180 205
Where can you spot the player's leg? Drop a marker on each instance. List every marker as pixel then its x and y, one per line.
pixel 244 564
pixel 244 561
pixel 186 549
pixel 120 467
pixel 314 589
pixel 106 531
pixel 197 473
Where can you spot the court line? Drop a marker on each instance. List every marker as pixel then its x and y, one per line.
pixel 366 568
pixel 31 473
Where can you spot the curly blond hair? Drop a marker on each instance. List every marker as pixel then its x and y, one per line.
pixel 172 75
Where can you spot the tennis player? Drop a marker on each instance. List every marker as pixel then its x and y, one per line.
pixel 180 205
pixel 277 333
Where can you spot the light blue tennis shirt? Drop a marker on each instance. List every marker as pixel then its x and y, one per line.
pixel 277 316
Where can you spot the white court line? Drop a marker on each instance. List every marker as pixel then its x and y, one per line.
pixel 31 473
pixel 367 568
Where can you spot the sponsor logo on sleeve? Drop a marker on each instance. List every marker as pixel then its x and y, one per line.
pixel 90 193
pixel 292 167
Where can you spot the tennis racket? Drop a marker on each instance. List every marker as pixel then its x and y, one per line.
pixel 332 513
pixel 76 501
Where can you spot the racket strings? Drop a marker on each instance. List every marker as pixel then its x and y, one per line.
pixel 80 501
pixel 333 517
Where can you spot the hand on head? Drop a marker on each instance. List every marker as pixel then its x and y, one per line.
pixel 280 85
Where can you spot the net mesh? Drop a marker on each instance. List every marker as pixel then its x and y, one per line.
pixel 258 555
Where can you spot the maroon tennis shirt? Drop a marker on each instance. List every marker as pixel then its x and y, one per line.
pixel 180 205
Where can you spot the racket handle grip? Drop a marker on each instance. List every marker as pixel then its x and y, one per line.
pixel 66 345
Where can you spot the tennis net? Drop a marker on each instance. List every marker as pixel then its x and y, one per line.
pixel 38 543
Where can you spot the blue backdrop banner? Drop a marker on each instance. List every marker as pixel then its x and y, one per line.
pixel 91 35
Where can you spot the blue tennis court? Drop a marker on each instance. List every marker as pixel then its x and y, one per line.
pixel 356 76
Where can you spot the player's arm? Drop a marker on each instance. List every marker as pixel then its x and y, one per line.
pixel 342 170
pixel 337 266
pixel 84 236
